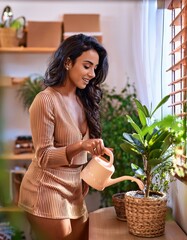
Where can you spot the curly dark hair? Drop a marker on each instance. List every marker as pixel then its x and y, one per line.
pixel 72 48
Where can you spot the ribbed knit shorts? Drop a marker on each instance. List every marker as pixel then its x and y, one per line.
pixel 53 193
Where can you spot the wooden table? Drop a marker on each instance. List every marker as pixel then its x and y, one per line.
pixel 103 225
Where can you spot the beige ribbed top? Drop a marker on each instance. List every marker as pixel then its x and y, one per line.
pixel 53 129
pixel 50 188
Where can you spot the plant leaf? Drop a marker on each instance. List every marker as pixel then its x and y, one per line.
pixel 142 117
pixel 134 125
pixel 155 161
pixel 128 137
pixel 164 100
pixel 139 173
pixel 141 107
pixel 130 148
pixel 155 153
pixel 136 136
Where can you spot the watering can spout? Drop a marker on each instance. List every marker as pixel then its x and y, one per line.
pixel 99 170
pixel 111 181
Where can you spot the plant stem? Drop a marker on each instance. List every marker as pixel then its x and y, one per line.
pixel 147 171
pixel 148 182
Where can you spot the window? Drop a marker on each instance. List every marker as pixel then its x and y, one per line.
pixel 179 66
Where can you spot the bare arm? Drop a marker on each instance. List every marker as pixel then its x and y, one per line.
pixel 94 146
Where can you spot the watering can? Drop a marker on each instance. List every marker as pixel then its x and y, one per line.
pixel 99 170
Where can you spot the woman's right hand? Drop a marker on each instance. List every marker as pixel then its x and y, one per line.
pixel 94 146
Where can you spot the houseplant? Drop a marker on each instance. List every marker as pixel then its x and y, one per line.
pixel 180 161
pixel 12 31
pixel 115 105
pixel 154 141
pixel 29 89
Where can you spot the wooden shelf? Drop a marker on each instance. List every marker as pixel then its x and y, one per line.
pixel 8 81
pixel 10 209
pixel 26 50
pixel 11 156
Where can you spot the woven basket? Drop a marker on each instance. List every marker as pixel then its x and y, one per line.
pixel 8 37
pixel 146 216
pixel 118 200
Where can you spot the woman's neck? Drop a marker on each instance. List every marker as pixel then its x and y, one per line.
pixel 65 90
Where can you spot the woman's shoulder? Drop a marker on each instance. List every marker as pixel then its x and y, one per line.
pixel 47 93
pixel 44 97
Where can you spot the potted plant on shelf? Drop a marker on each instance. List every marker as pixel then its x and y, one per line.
pixel 155 143
pixel 29 89
pixel 12 31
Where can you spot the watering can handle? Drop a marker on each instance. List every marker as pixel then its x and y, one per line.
pixel 108 152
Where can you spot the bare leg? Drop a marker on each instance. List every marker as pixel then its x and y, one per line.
pixel 79 228
pixel 59 229
pixel 50 229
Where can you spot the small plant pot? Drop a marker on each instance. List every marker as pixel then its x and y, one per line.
pixel 8 37
pixel 146 216
pixel 118 200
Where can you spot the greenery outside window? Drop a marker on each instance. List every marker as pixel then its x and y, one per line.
pixel 179 74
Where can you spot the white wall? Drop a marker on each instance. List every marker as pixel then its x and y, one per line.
pixel 178 202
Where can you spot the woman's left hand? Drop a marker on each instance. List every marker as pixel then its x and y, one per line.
pixel 94 146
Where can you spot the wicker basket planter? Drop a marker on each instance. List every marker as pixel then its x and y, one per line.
pixel 8 37
pixel 118 200
pixel 146 216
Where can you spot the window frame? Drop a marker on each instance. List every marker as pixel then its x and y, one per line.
pixel 178 70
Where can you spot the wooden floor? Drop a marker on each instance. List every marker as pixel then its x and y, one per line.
pixel 105 226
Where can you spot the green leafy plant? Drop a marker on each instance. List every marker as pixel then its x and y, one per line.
pixel 114 106
pixel 8 21
pixel 29 89
pixel 180 162
pixel 154 142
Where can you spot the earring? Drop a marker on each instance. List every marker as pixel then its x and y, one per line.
pixel 67 68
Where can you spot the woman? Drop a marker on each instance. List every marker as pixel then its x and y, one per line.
pixel 65 126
